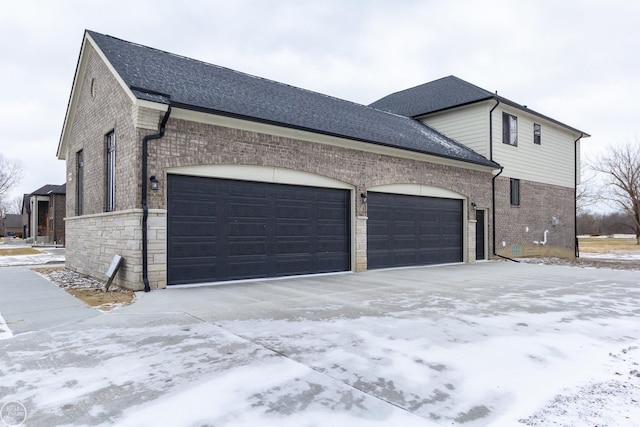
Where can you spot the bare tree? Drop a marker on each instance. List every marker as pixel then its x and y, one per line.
pixel 586 191
pixel 14 206
pixel 10 174
pixel 621 170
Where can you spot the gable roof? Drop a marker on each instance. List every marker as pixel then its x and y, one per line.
pixel 443 94
pixel 158 76
pixel 45 190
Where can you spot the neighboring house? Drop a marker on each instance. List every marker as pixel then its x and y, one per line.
pixel 534 195
pixel 43 213
pixel 197 173
pixel 11 225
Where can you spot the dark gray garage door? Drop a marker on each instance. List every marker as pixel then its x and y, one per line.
pixel 221 229
pixel 411 230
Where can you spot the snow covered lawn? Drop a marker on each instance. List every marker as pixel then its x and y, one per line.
pixel 493 344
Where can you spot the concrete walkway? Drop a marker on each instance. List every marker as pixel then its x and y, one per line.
pixel 29 302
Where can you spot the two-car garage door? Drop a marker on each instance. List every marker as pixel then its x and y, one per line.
pixel 223 229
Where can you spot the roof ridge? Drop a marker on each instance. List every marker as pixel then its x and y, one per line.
pixel 472 85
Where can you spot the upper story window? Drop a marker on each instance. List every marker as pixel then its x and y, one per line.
pixel 79 182
pixel 110 142
pixel 509 129
pixel 537 133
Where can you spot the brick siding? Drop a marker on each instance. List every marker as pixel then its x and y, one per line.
pixel 95 237
pixel 519 226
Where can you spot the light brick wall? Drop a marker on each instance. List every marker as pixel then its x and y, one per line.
pixel 519 226
pixel 97 238
pixel 471 240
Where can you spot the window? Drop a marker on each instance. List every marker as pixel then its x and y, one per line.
pixel 537 132
pixel 515 192
pixel 509 129
pixel 79 182
pixel 110 142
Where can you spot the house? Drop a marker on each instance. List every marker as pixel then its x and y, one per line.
pixel 43 213
pixel 534 193
pixel 11 225
pixel 196 173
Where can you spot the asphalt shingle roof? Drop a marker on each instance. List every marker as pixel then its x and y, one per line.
pixel 160 76
pixel 437 95
pixel 445 93
pixel 13 221
pixel 46 190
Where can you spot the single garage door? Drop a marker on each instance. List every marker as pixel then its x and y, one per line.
pixel 412 230
pixel 220 229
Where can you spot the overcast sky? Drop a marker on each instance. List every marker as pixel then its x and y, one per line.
pixel 577 61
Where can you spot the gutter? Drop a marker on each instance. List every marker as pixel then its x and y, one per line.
pixel 493 186
pixel 145 207
pixel 575 195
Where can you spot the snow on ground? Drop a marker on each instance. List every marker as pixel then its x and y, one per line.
pixel 49 255
pixel 5 332
pixel 614 254
pixel 556 346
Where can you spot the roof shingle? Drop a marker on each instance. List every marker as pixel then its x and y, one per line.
pixel 442 94
pixel 159 76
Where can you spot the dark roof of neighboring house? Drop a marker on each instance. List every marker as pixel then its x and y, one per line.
pixel 443 94
pixel 25 203
pixel 12 221
pixel 50 189
pixel 160 76
pixel 61 189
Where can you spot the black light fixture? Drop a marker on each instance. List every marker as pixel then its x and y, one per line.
pixel 474 206
pixel 363 197
pixel 155 184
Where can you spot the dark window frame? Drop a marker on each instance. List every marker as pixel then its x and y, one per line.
pixel 537 134
pixel 79 182
pixel 514 192
pixel 509 129
pixel 110 171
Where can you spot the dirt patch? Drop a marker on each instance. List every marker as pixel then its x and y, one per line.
pixel 87 289
pixel 104 300
pixel 18 251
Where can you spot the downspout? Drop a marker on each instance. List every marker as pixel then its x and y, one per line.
pixel 145 207
pixel 575 195
pixel 493 186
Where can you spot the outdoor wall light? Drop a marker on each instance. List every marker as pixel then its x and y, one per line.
pixel 154 182
pixel 363 196
pixel 474 206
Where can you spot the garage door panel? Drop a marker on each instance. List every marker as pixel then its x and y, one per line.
pixel 405 230
pixel 184 227
pixel 257 229
pixel 191 250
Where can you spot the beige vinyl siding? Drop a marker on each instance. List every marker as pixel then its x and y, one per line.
pixel 551 162
pixel 468 125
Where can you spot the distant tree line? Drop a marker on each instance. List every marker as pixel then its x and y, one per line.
pixel 601 224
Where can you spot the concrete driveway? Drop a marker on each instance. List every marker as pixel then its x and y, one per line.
pixel 484 344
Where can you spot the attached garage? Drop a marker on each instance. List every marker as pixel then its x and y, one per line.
pixel 224 229
pixel 405 230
